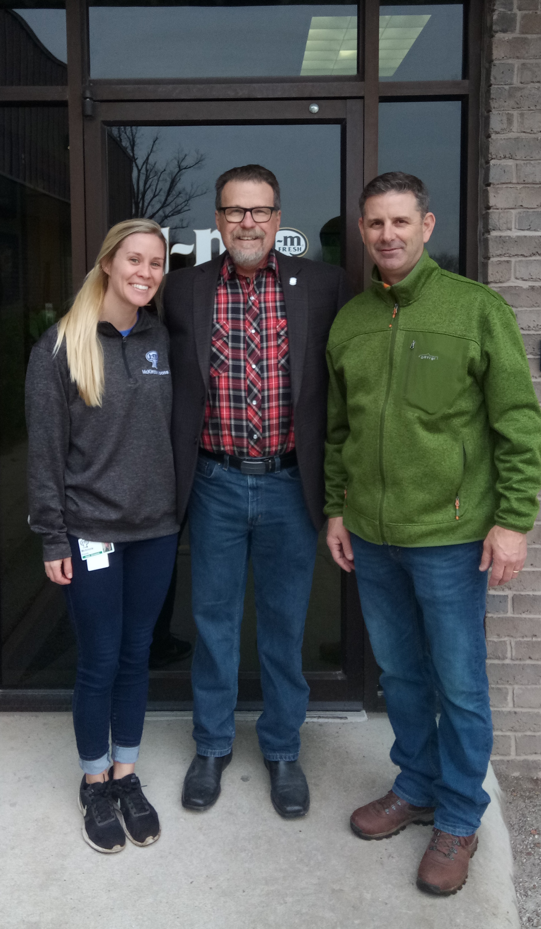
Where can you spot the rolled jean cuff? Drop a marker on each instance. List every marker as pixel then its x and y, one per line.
pixel 125 754
pixel 280 756
pixel 97 766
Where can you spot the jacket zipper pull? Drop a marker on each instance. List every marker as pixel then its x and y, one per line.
pixel 395 311
pixel 457 508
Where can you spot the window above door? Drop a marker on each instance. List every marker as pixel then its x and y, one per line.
pixel 230 40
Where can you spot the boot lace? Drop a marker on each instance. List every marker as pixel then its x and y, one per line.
pixel 389 802
pixel 445 844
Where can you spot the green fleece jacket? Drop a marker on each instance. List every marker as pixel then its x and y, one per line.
pixel 434 429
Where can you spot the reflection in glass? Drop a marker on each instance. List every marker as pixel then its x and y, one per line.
pixel 417 42
pixel 184 41
pixel 424 138
pixel 35 286
pixel 331 241
pixel 397 34
pixel 168 173
pixel 420 42
pixel 33 40
pixel 331 46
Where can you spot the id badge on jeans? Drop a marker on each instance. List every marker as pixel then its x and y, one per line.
pixel 96 554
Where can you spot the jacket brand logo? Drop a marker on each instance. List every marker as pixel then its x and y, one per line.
pixel 429 357
pixel 153 358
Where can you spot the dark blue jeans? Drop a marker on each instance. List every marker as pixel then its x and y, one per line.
pixel 424 609
pixel 113 611
pixel 233 516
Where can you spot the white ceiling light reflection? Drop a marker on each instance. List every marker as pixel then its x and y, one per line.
pixel 396 36
pixel 331 46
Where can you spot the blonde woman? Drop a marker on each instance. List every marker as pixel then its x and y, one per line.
pixel 102 496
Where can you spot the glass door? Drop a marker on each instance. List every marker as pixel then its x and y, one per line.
pixel 161 161
pixel 35 287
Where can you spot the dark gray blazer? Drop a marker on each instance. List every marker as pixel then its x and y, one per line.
pixel 311 305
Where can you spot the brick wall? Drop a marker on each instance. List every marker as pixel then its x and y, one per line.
pixel 512 265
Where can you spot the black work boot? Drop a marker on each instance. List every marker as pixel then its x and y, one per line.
pixel 289 790
pixel 202 782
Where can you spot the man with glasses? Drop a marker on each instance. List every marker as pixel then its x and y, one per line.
pixel 248 336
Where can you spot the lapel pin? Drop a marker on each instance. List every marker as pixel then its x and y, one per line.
pixel 292 281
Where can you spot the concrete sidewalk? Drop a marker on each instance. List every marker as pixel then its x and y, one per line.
pixel 238 866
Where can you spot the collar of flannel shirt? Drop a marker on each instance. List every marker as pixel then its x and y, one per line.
pixel 228 268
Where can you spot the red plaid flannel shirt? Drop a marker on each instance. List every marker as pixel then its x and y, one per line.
pixel 249 411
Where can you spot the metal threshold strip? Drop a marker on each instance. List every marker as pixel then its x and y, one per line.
pixel 312 716
pixel 14 700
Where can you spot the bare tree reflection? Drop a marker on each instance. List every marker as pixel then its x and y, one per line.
pixel 159 188
pixel 447 261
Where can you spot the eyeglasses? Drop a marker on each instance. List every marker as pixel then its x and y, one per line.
pixel 236 214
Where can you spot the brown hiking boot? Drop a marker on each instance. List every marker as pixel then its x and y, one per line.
pixel 388 816
pixel 444 865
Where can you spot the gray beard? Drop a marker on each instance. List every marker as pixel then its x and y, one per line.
pixel 246 259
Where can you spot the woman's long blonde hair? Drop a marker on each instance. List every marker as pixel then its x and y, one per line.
pixel 79 327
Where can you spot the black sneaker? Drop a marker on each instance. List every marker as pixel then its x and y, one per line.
pixel 101 829
pixel 138 817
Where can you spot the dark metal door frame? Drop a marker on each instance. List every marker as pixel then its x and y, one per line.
pixel 348 113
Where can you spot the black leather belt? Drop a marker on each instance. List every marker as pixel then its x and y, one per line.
pixel 252 465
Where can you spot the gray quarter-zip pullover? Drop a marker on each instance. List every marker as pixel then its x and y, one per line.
pixel 102 473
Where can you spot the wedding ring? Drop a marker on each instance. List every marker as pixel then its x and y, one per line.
pixel 516 572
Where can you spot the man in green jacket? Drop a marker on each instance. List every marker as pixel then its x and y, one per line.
pixel 433 464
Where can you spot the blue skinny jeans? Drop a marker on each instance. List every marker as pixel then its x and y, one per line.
pixel 113 611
